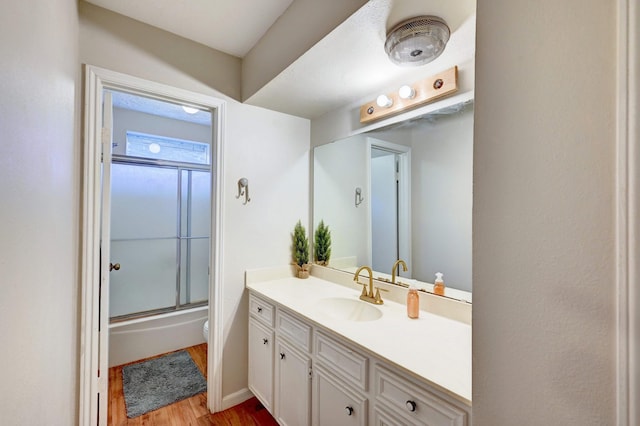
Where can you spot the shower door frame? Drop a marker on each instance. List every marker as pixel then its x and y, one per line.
pixel 94 286
pixel 179 167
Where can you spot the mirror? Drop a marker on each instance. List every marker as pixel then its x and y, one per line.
pixel 402 192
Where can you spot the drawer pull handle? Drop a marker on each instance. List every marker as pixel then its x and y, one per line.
pixel 265 341
pixel 411 406
pixel 349 410
pixel 259 309
pixel 281 355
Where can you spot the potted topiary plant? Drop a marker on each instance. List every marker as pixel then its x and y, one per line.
pixel 300 250
pixel 322 245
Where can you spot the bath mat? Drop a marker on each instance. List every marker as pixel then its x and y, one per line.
pixel 152 384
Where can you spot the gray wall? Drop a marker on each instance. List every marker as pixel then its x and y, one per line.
pixel 39 189
pixel 543 214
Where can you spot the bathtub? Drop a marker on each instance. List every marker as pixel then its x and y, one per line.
pixel 145 337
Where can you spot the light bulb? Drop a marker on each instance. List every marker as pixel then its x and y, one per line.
pixel 384 101
pixel 406 92
pixel 189 110
pixel 154 148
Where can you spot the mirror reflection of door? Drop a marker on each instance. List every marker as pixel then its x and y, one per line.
pixel 384 209
pixel 389 207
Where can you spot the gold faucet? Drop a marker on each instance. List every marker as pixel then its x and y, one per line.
pixel 395 267
pixel 368 296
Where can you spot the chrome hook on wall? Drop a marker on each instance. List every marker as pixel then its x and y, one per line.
pixel 243 189
pixel 359 197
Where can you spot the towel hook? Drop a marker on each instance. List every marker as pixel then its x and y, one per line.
pixel 243 189
pixel 359 197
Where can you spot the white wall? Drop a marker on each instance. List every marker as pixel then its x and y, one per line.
pixel 543 217
pixel 270 149
pixel 39 189
pixel 339 169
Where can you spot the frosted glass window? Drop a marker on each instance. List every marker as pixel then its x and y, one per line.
pixel 163 148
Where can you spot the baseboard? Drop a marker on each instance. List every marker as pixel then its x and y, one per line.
pixel 236 398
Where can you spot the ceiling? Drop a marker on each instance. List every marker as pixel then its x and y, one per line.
pixel 348 65
pixel 230 26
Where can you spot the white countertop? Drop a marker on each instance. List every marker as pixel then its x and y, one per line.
pixel 432 347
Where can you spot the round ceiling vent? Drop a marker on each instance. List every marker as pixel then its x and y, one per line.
pixel 417 41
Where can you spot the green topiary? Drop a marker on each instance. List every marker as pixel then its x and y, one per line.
pixel 322 246
pixel 300 247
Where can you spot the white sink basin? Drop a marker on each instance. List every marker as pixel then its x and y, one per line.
pixel 342 308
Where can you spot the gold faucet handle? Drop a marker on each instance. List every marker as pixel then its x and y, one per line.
pixel 377 296
pixel 364 288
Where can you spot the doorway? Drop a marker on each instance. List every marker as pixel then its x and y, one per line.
pixel 390 216
pixel 196 240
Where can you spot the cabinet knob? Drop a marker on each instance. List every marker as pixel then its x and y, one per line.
pixel 259 309
pixel 281 355
pixel 265 341
pixel 411 406
pixel 349 410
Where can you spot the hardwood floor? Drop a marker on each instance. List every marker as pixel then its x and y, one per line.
pixel 191 411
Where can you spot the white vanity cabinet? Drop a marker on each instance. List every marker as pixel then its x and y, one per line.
pixel 292 370
pixel 311 375
pixel 261 350
pixel 408 402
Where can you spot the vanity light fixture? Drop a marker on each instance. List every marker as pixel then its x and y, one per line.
pixel 384 101
pixel 190 110
pixel 411 96
pixel 406 92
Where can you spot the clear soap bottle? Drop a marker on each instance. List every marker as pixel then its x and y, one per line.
pixel 438 285
pixel 413 302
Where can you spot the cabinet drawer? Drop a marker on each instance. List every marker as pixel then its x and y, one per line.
pixel 416 403
pixel 382 417
pixel 294 330
pixel 261 310
pixel 334 403
pixel 342 360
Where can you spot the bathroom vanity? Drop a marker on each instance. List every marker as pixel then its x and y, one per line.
pixel 320 356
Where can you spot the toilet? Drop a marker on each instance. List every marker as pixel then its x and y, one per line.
pixel 205 331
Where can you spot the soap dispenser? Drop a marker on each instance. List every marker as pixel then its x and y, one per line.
pixel 413 302
pixel 438 285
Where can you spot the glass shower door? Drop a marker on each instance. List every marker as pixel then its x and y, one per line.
pixel 195 214
pixel 144 240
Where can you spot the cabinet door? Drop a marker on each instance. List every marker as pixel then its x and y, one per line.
pixel 293 385
pixel 261 363
pixel 334 404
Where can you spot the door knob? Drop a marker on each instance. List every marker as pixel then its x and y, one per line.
pixel 113 266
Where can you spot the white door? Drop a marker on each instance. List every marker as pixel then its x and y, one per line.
pixel 96 248
pixel 105 265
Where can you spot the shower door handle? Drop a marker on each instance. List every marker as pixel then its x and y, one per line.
pixel 113 266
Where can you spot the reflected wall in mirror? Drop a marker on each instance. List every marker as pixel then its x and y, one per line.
pixel 416 185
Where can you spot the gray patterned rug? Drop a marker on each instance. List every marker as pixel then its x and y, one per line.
pixel 152 384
